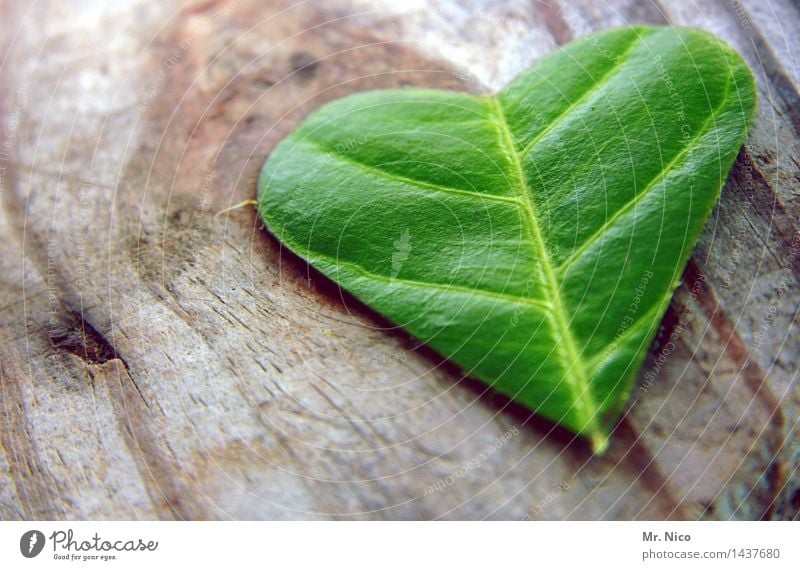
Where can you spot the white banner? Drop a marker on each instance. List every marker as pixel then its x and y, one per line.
pixel 401 545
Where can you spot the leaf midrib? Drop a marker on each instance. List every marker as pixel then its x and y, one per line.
pixel 572 360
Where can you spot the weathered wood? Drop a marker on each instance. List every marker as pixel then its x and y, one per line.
pixel 157 361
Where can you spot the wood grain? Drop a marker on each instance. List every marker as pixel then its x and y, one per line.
pixel 158 361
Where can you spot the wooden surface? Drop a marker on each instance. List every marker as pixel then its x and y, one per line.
pixel 158 362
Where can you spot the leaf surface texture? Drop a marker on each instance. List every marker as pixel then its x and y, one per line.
pixel 535 236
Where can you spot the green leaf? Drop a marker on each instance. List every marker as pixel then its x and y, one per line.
pixel 533 237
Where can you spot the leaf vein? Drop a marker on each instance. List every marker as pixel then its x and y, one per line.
pixel 568 352
pixel 654 182
pixel 646 319
pixel 596 86
pixel 405 180
pixel 540 306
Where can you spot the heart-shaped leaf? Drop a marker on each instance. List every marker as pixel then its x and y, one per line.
pixel 534 237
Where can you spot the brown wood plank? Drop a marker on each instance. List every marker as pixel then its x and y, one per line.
pixel 158 362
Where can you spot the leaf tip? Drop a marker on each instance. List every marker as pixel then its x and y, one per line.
pixel 599 442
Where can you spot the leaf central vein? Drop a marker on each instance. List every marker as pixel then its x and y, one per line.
pixel 567 349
